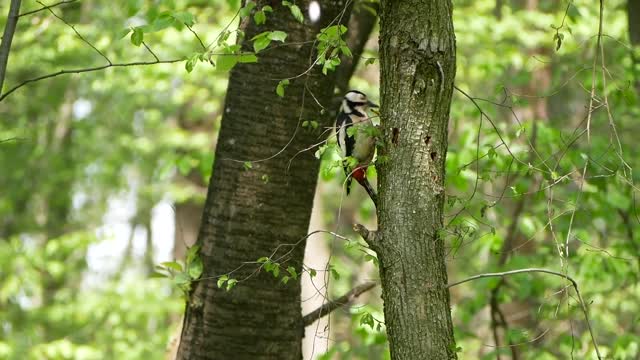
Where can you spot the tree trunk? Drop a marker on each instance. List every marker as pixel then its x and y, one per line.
pixel 250 212
pixel 417 55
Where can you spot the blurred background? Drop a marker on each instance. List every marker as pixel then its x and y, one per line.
pixel 103 175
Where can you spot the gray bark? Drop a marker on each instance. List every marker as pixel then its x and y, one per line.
pixel 417 56
pixel 246 218
pixel 7 37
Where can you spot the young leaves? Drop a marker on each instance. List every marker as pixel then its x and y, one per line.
pixel 260 17
pixel 281 87
pixel 330 46
pixel 137 36
pixel 262 40
pixel 182 276
pixel 295 11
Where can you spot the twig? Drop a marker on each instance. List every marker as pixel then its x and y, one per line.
pixel 76 31
pixel 197 37
pixel 47 7
pixel 84 70
pixel 345 299
pixel 534 270
pixel 150 51
pixel 7 37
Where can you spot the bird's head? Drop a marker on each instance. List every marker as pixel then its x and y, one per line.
pixel 357 103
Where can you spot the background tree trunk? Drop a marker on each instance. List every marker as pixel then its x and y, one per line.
pixel 417 72
pixel 250 212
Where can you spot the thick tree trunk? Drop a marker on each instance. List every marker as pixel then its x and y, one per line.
pixel 417 55
pixel 250 212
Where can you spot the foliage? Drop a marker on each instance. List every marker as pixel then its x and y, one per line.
pixel 71 146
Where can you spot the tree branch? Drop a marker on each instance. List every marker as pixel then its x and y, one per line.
pixel 536 270
pixel 344 300
pixel 369 236
pixel 83 70
pixel 46 7
pixel 7 37
pixel 76 31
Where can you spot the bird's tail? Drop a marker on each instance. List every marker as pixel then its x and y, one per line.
pixel 360 174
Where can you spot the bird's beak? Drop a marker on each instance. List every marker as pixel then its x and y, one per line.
pixel 372 104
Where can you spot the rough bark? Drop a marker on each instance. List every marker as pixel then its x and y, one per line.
pixel 417 56
pixel 246 217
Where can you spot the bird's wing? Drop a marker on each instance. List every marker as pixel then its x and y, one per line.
pixel 346 142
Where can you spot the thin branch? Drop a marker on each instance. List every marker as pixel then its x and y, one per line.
pixel 344 300
pixel 150 51
pixel 7 37
pixel 369 236
pixel 84 70
pixel 47 7
pixel 536 270
pixel 76 31
pixel 204 47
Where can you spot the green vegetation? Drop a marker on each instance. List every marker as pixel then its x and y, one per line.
pixel 540 173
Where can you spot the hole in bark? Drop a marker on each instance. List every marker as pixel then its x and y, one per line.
pixel 433 155
pixel 427 139
pixel 396 134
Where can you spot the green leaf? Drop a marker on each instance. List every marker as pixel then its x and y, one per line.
pixel 195 268
pixel 259 17
pixel 184 17
pixel 248 165
pixel 267 8
pixel 172 265
pixel 285 279
pixel 226 62
pixel 313 273
pixel 335 274
pixel 263 259
pixel 246 10
pixel 189 65
pixel 181 279
pixel 346 51
pixel 297 13
pixel 276 270
pixel 292 271
pixel 281 87
pixel 157 274
pixel 277 35
pixel 231 283
pixel 221 280
pixel 367 319
pixel 162 22
pixel 247 58
pixel 261 44
pixel 137 37
pixel 192 253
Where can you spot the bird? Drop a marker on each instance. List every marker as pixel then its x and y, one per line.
pixel 356 139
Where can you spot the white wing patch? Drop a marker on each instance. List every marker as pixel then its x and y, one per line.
pixel 342 137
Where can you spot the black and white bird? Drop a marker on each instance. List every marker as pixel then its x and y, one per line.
pixel 356 139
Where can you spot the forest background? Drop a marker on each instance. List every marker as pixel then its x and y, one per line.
pixel 103 176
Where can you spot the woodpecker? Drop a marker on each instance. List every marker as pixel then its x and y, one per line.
pixel 356 139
